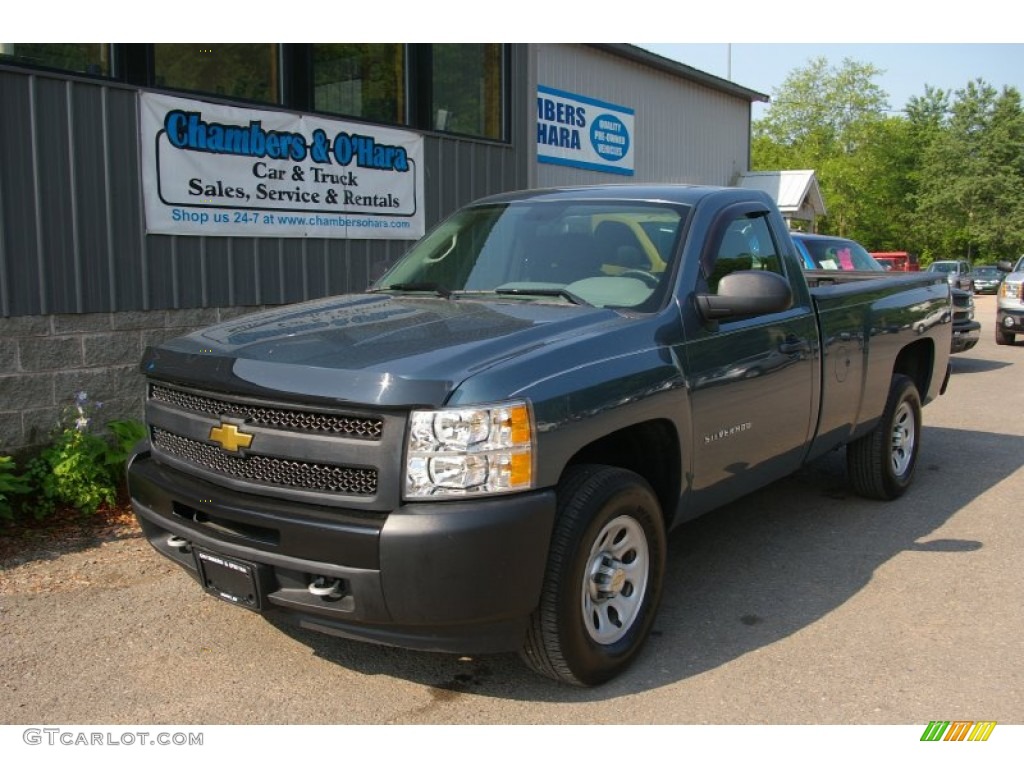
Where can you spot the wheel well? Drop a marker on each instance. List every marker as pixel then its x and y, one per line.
pixel 650 449
pixel 916 361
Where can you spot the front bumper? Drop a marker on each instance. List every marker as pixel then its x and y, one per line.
pixel 965 336
pixel 461 576
pixel 1010 320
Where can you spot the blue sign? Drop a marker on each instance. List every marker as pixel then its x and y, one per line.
pixel 583 132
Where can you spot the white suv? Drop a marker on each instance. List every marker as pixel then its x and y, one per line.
pixel 1010 302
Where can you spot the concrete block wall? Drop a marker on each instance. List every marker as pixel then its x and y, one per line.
pixel 46 360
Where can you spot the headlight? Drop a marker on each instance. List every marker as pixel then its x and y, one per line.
pixel 469 451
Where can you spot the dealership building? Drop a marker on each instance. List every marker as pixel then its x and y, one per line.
pixel 147 190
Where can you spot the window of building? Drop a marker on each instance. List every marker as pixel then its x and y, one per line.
pixel 87 58
pixel 360 80
pixel 467 93
pixel 247 71
pixel 451 88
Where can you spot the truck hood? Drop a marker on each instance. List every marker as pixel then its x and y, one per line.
pixel 368 349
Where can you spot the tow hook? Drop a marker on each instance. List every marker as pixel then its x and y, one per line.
pixel 328 589
pixel 176 542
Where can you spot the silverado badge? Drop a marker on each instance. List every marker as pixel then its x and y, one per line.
pixel 230 438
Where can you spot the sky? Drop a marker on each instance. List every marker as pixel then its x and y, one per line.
pixel 941 43
pixel 908 67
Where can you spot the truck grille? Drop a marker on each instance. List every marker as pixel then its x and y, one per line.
pixel 963 307
pixel 359 427
pixel 285 473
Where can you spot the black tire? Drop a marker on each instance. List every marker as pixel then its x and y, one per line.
pixel 881 464
pixel 1003 338
pixel 609 533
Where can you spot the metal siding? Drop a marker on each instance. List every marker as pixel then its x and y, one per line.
pixel 162 275
pixel 123 205
pixel 17 197
pixel 187 256
pixel 57 259
pixel 88 163
pixel 218 261
pixel 75 241
pixel 684 132
pixel 244 285
pixel 293 272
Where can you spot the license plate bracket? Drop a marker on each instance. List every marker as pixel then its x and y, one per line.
pixel 232 580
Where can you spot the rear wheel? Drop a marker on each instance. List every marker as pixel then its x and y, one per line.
pixel 881 464
pixel 603 580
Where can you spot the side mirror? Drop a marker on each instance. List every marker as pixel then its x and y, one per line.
pixel 746 293
pixel 1005 266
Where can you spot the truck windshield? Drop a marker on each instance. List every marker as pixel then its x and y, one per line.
pixel 603 254
pixel 839 254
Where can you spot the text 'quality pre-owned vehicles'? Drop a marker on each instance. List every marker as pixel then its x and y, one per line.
pixel 485 451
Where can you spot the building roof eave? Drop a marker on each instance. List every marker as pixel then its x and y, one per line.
pixel 641 56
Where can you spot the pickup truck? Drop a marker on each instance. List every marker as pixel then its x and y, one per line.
pixel 828 253
pixel 485 450
pixel 1010 302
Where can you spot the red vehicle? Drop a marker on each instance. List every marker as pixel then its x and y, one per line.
pixel 897 261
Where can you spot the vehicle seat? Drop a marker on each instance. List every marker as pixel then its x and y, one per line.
pixel 619 247
pixel 563 258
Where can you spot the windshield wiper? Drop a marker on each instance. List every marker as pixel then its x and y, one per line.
pixel 560 292
pixel 437 288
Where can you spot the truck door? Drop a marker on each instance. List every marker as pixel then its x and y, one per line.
pixel 752 380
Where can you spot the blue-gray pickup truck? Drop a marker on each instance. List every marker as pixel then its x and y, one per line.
pixel 486 449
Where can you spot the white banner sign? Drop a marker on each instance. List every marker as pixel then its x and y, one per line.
pixel 209 169
pixel 582 132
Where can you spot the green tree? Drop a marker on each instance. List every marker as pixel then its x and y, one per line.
pixel 970 200
pixel 832 119
pixel 821 108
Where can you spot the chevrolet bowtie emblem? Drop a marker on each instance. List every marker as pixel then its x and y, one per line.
pixel 228 437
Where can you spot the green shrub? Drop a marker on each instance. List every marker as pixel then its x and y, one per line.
pixel 80 468
pixel 10 483
pixel 126 434
pixel 72 470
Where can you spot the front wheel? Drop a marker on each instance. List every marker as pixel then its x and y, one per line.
pixel 1003 338
pixel 881 464
pixel 604 577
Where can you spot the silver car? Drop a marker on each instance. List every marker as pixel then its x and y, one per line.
pixel 958 273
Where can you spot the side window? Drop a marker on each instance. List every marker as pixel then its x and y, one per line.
pixel 243 70
pixel 746 244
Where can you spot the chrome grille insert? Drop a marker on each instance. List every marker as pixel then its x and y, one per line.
pixel 366 428
pixel 285 473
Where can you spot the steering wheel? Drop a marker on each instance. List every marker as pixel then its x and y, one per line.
pixel 645 277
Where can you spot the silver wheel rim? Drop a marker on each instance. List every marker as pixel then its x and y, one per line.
pixel 615 581
pixel 903 439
